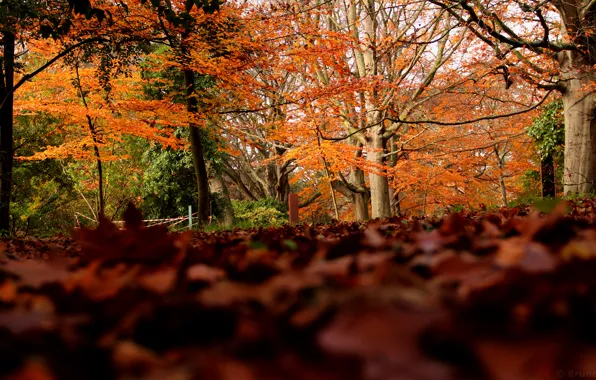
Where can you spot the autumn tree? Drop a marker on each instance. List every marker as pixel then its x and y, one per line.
pixel 551 44
pixel 19 22
pixel 204 39
pixel 362 64
pixel 92 124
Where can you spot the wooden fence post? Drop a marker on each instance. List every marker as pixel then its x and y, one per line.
pixel 293 207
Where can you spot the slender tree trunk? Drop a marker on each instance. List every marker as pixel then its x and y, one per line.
pixel 395 202
pixel 6 129
pixel 282 188
pixel 360 199
pixel 547 176
pixel 198 153
pixel 379 185
pixel 503 190
pixel 95 138
pixel 102 205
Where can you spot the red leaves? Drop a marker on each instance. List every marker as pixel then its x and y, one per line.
pixel 474 296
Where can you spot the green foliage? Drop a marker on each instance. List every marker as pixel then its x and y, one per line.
pixel 262 213
pixel 168 183
pixel 42 199
pixel 43 192
pixel 546 205
pixel 531 189
pixel 548 130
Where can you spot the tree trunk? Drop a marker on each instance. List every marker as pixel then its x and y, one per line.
pixel 395 202
pixel 218 186
pixel 503 190
pixel 282 188
pixel 547 176
pixel 95 137
pixel 379 185
pixel 580 133
pixel 360 199
pixel 198 153
pixel 102 203
pixel 6 129
pixel 579 100
pixel 360 207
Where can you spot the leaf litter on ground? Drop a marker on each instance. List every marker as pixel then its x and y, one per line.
pixel 509 294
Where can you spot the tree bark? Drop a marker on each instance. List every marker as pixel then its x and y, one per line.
pixel 578 80
pixel 95 137
pixel 379 185
pixel 547 176
pixel 503 190
pixel 360 198
pixel 579 108
pixel 6 129
pixel 198 153
pixel 218 186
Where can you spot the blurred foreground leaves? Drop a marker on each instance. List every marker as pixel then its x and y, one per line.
pixel 509 294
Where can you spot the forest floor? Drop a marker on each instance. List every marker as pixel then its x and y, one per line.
pixel 498 295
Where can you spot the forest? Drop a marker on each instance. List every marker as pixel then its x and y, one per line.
pixel 366 109
pixel 441 155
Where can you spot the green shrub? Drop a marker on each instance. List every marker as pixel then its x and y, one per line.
pixel 262 213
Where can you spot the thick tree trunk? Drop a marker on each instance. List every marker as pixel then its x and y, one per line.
pixel 6 129
pixel 219 187
pixel 578 79
pixel 198 153
pixel 579 105
pixel 379 185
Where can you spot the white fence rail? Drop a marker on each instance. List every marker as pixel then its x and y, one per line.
pixel 169 222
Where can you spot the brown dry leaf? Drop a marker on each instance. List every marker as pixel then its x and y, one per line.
pixel 429 242
pixel 235 370
pixel 36 273
pixel 520 360
pixel 478 281
pixel 100 283
pixel 373 238
pixel 519 252
pixel 227 293
pixel 33 369
pixel 19 321
pixel 130 357
pixel 458 265
pixel 160 281
pixel 583 248
pixel 201 272
pixel 584 362
pixel 8 291
pixel 342 266
pixel 386 338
